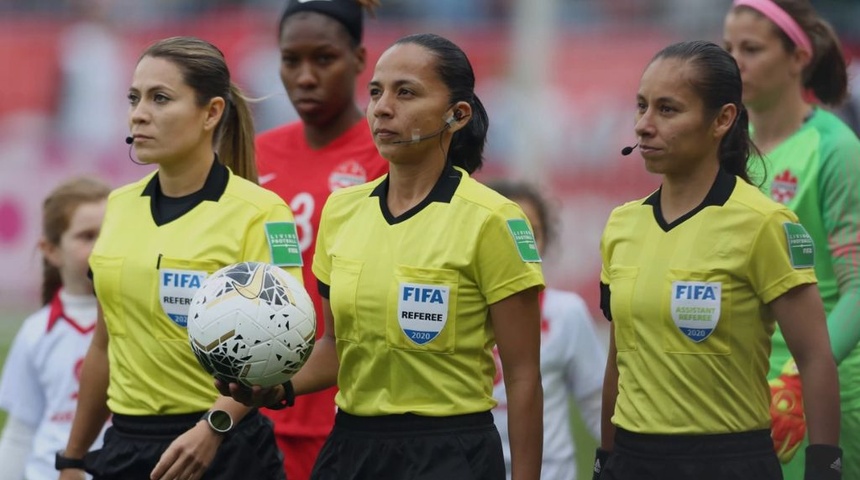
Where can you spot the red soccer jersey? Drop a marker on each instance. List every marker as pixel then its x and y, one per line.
pixel 304 178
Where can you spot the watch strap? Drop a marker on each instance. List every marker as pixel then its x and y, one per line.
pixel 289 397
pixel 207 417
pixel 63 463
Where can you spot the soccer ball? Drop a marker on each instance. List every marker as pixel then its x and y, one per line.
pixel 252 323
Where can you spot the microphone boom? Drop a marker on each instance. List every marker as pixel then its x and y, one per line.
pixel 628 150
pixel 420 138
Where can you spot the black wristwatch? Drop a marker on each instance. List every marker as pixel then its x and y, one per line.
pixel 289 397
pixel 63 463
pixel 218 420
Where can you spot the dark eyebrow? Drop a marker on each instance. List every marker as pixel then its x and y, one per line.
pixel 398 83
pixel 639 96
pixel 315 49
pixel 156 87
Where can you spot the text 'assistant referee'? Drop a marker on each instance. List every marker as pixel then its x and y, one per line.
pixel 696 308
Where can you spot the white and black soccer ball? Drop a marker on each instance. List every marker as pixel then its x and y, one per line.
pixel 252 323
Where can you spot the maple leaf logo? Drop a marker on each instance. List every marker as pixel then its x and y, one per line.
pixel 784 187
pixel 347 174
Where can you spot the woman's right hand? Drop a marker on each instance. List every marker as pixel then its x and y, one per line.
pixel 255 396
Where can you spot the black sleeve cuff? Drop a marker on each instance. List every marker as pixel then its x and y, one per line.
pixel 823 462
pixel 600 458
pixel 63 463
pixel 325 290
pixel 605 300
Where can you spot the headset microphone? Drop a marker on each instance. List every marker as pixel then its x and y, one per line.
pixel 628 150
pixel 129 141
pixel 420 138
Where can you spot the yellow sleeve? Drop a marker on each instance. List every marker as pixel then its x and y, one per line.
pixel 271 238
pixel 779 259
pixel 322 260
pixel 507 260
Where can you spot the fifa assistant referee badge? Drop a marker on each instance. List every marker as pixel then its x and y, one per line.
pixel 218 420
pixel 62 463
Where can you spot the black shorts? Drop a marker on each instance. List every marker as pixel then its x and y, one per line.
pixel 133 446
pixel 731 456
pixel 412 447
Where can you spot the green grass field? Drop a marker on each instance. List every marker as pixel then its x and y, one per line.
pixel 585 444
pixel 10 321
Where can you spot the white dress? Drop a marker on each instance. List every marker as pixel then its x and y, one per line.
pixel 572 361
pixel 39 387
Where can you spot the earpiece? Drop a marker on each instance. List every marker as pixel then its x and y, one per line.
pixel 458 115
pixel 417 137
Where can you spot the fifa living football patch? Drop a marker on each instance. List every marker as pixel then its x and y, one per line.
pixel 525 240
pixel 801 248
pixel 284 244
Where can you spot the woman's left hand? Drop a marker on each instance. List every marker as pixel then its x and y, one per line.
pixel 188 457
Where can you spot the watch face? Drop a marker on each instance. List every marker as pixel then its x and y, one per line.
pixel 220 421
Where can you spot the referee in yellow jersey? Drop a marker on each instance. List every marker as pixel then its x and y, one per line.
pixel 694 278
pixel 421 273
pixel 161 237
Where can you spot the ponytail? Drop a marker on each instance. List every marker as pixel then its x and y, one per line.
pixel 51 281
pixel 455 70
pixel 736 146
pixel 827 73
pixel 717 81
pixel 205 70
pixel 467 144
pixel 235 143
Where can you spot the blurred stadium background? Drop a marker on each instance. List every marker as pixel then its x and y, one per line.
pixel 558 78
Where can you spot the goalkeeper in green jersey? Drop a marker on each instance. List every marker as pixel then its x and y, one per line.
pixel 790 59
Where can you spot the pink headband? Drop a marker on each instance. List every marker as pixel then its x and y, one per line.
pixel 782 20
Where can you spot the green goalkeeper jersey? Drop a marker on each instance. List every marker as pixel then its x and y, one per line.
pixel 816 173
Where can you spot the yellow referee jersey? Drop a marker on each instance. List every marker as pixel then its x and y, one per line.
pixel 145 275
pixel 410 295
pixel 688 302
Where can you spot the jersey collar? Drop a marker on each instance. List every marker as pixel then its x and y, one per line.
pixel 442 192
pixel 159 205
pixel 717 196
pixel 213 188
pixel 58 313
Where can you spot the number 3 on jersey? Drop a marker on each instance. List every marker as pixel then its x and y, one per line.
pixel 303 207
